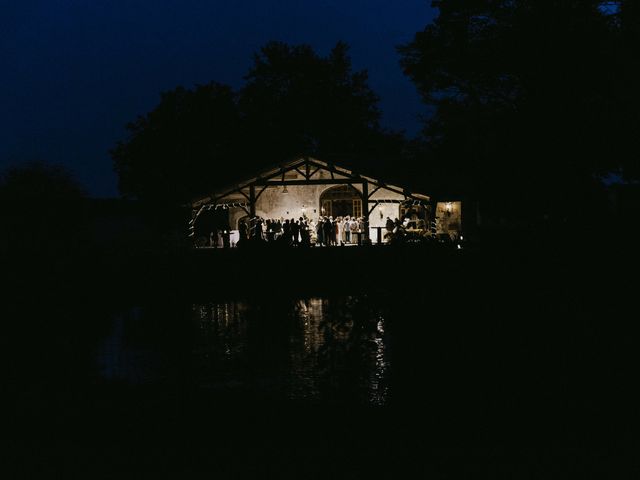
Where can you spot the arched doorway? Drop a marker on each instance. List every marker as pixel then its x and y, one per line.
pixel 341 201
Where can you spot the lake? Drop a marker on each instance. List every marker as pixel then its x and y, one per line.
pixel 387 361
pixel 314 349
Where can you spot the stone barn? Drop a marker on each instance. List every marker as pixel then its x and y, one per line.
pixel 309 188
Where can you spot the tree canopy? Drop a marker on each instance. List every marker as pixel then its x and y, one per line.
pixel 298 103
pixel 294 103
pixel 533 100
pixel 42 208
pixel 176 150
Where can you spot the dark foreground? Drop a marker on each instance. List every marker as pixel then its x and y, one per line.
pixel 516 361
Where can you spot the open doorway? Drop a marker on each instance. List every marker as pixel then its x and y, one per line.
pixel 341 201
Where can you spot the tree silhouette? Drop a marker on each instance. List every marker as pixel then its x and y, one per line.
pixel 294 103
pixel 298 103
pixel 181 147
pixel 534 100
pixel 43 210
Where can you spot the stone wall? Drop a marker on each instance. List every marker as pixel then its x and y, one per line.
pixel 304 200
pixel 301 200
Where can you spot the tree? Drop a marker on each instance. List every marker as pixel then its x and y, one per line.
pixel 294 103
pixel 43 210
pixel 181 147
pixel 534 100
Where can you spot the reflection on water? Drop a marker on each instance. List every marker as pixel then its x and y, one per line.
pixel 319 349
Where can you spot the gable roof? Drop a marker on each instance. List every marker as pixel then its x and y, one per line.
pixel 308 167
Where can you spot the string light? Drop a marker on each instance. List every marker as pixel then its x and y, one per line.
pixel 224 206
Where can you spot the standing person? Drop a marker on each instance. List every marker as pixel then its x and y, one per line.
pixel 242 228
pixel 347 230
pixel 320 231
pixel 277 230
pixel 339 230
pixel 313 236
pixel 295 230
pixel 327 228
pixel 361 231
pixel 353 228
pixel 226 233
pixel 269 230
pixel 258 230
pixel 286 231
pixel 389 226
pixel 213 238
pixel 334 232
pixel 304 233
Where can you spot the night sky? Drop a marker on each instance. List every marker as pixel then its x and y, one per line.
pixel 76 71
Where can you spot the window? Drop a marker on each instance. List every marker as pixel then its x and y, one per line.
pixel 357 207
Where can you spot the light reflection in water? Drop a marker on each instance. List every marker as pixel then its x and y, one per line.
pixel 319 349
pixel 378 388
pixel 333 348
pixel 220 342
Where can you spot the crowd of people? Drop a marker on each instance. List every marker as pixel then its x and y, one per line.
pixel 326 231
pixel 306 232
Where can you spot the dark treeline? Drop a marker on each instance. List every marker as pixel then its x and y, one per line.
pixel 43 211
pixel 535 104
pixel 294 103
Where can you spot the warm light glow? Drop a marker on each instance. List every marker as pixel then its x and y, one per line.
pixel 448 206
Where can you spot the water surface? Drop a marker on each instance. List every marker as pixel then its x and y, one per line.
pixel 313 349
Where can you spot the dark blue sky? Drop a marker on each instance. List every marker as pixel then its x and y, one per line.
pixel 76 71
